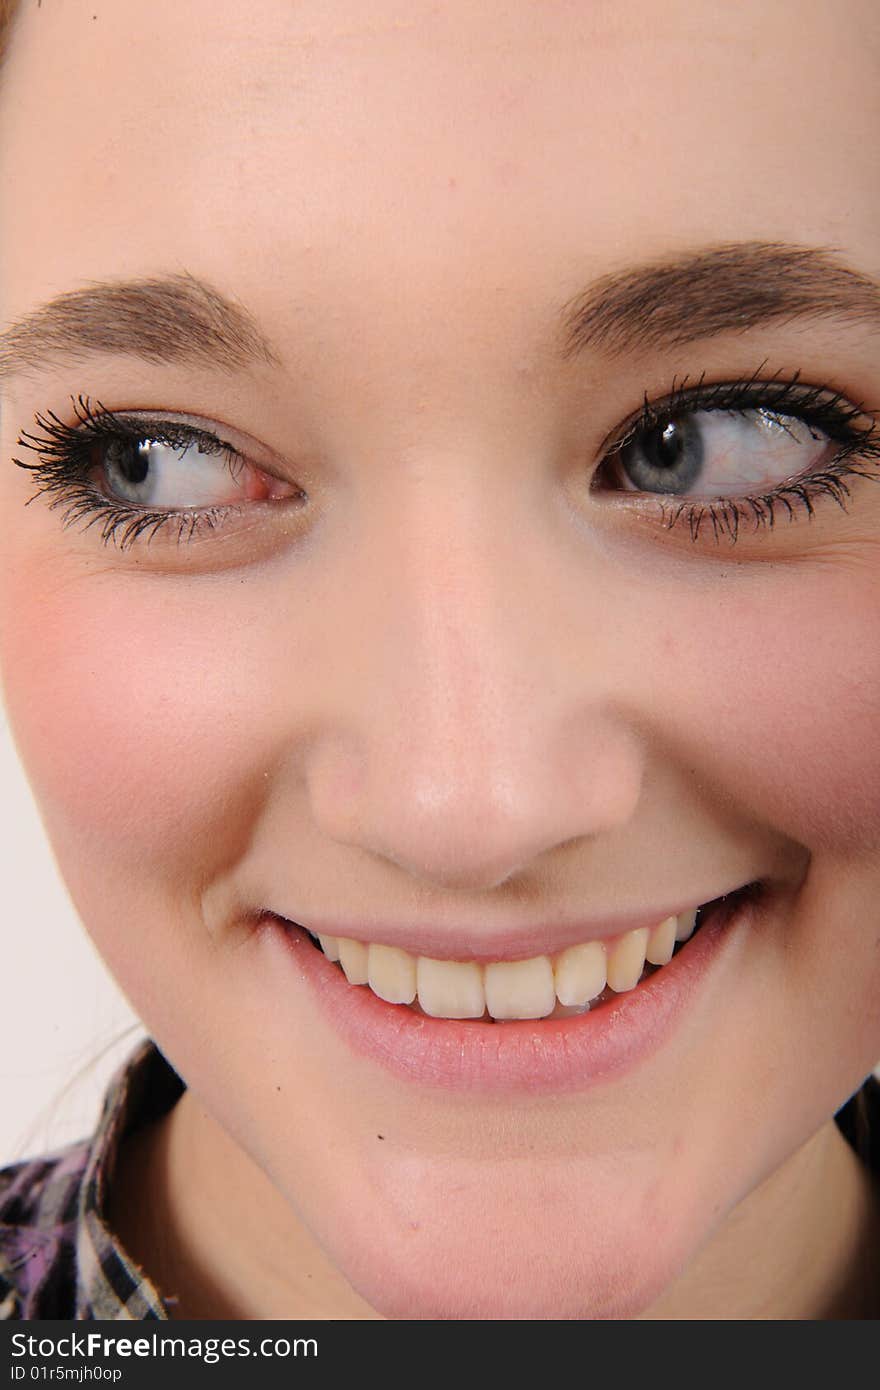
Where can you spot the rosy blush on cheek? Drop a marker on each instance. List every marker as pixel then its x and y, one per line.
pixel 132 714
pixel 774 696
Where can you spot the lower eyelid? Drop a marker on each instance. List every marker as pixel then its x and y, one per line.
pixel 729 520
pixel 230 536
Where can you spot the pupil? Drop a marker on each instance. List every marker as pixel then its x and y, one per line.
pixel 133 462
pixel 136 466
pixel 665 446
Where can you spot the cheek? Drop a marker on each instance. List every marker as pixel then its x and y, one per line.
pixel 134 722
pixel 773 694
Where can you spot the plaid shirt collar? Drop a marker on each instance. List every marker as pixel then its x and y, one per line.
pixel 58 1257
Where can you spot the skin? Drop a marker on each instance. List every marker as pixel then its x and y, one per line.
pixel 457 688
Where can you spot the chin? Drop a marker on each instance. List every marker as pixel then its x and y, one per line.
pixel 542 1255
pixel 491 1281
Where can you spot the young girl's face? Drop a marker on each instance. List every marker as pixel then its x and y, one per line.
pixel 456 652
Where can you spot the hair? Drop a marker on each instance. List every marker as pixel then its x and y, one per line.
pixel 8 10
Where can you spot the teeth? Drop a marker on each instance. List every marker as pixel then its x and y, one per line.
pixel 661 942
pixel 626 960
pixel 450 988
pixel 580 973
pixel 510 989
pixel 392 974
pixel 353 959
pixel 520 988
pixel 686 923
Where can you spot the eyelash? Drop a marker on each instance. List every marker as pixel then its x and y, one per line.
pixel 815 406
pixel 64 462
pixel 64 459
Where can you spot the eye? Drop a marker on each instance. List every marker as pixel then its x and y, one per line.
pixel 731 455
pixel 712 454
pixel 133 476
pixel 194 472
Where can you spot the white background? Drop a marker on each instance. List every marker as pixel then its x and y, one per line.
pixel 61 1010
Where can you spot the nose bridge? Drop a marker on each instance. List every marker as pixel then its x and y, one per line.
pixel 477 731
pixel 455 650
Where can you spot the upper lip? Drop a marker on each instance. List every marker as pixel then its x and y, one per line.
pixel 490 942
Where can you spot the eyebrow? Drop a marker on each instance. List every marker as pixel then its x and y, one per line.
pixel 169 318
pixel 730 287
pixel 718 289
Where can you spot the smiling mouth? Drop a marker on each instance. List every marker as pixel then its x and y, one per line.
pixel 580 979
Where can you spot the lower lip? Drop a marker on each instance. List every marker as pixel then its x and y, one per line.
pixel 528 1056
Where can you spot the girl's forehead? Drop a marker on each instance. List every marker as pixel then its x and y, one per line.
pixel 468 147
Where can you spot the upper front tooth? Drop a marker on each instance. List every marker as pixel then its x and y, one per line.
pixel 580 973
pixel 661 942
pixel 330 947
pixel 626 960
pixel 392 974
pixel 450 988
pixel 520 988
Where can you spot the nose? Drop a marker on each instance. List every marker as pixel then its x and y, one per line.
pixel 480 724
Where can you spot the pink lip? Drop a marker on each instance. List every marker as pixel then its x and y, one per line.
pixel 533 1056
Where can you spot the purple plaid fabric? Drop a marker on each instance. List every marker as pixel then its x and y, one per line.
pixel 58 1258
